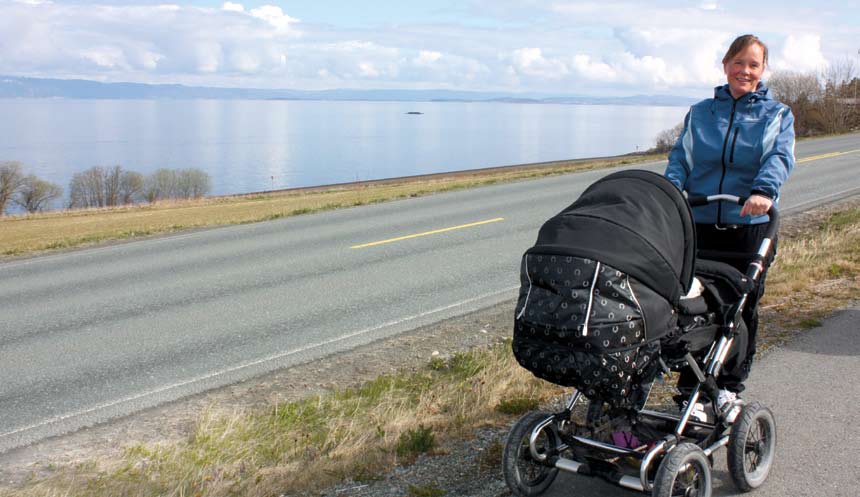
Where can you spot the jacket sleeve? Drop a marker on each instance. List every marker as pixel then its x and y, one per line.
pixel 680 157
pixel 777 158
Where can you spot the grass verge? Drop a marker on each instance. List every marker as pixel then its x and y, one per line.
pixel 358 433
pixel 29 234
pixel 816 272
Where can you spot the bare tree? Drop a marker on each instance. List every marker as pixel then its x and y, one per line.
pixel 104 187
pixel 803 93
pixel 837 114
pixel 790 87
pixel 111 184
pixel 838 75
pixel 160 185
pixel 666 139
pixel 86 188
pixel 130 187
pixel 36 194
pixel 193 183
pixel 166 184
pixel 11 179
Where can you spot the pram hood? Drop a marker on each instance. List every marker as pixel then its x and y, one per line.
pixel 636 221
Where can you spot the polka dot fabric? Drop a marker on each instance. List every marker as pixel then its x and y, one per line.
pixel 579 324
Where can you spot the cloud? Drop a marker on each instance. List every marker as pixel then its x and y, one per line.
pixel 586 67
pixel 275 17
pixel 118 41
pixel 800 53
pixel 233 7
pixel 674 56
pixel 531 62
pixel 445 70
pixel 427 58
pixel 563 46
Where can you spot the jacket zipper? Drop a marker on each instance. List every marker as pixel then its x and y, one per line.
pixel 723 175
pixel 734 139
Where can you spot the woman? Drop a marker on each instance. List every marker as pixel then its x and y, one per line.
pixel 741 142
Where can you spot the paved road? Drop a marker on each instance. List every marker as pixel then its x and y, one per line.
pixel 811 386
pixel 89 335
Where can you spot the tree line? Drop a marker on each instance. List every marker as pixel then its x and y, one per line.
pixel 99 187
pixel 824 102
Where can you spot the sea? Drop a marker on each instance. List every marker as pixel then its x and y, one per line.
pixel 259 145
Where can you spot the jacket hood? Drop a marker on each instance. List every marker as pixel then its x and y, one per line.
pixel 761 93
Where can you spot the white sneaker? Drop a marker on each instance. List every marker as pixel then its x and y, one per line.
pixel 727 402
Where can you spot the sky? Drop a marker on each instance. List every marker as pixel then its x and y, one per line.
pixel 565 47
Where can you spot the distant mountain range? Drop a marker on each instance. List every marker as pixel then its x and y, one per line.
pixel 19 87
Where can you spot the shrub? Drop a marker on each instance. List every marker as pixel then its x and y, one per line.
pixel 666 139
pixel 104 187
pixel 166 184
pixel 517 405
pixel 417 441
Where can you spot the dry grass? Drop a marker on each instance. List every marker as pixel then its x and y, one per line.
pixel 66 229
pixel 299 447
pixel 815 272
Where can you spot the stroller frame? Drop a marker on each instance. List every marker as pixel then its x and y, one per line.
pixel 685 428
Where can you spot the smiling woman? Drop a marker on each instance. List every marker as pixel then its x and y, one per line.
pixel 744 64
pixel 741 142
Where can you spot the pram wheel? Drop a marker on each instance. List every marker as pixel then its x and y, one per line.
pixel 685 471
pixel 524 475
pixel 752 443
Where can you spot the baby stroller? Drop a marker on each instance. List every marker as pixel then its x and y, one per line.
pixel 605 306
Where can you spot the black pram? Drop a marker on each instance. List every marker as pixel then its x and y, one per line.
pixel 604 308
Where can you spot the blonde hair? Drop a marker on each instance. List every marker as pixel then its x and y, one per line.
pixel 741 43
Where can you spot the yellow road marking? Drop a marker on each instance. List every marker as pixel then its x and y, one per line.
pixel 495 220
pixel 441 230
pixel 826 156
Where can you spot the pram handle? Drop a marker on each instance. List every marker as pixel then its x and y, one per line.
pixel 773 212
pixel 772 228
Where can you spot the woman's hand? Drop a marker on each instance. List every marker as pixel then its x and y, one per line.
pixel 756 205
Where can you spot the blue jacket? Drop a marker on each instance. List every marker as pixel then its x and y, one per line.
pixel 739 147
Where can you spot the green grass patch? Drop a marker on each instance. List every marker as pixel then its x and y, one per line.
pixel 516 406
pixel 837 270
pixel 809 323
pixel 418 441
pixel 842 219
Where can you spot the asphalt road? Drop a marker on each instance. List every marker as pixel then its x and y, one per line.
pixel 812 389
pixel 89 335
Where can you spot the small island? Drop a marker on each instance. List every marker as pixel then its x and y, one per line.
pixel 415 113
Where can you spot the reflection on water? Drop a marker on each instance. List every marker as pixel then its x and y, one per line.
pixel 260 145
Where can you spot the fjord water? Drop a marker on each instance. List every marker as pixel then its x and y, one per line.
pixel 256 145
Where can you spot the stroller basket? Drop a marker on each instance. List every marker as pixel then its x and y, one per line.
pixel 582 325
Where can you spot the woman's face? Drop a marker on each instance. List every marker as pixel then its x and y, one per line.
pixel 744 70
